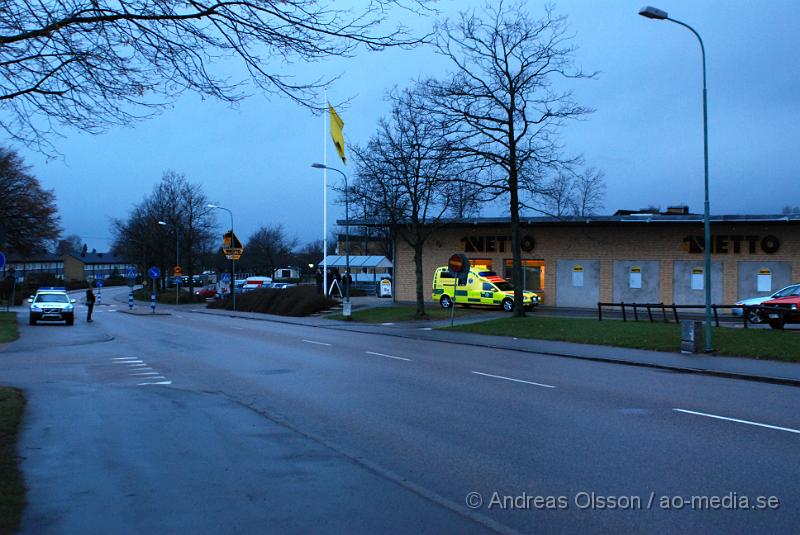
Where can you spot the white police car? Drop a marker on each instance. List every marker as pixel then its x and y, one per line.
pixel 52 304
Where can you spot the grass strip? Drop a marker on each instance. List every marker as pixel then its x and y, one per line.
pixel 755 343
pixel 12 488
pixel 8 327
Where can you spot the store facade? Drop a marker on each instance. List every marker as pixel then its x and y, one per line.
pixel 641 258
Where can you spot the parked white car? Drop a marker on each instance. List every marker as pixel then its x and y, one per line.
pixel 754 316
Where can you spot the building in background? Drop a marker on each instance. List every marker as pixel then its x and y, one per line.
pixel 94 265
pixel 633 256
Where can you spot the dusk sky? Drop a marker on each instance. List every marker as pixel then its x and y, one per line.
pixel 646 133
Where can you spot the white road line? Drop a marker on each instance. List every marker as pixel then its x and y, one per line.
pixel 426 328
pixel 156 383
pixel 787 429
pixel 387 323
pixel 387 356
pixel 512 379
pixel 144 373
pixel 128 361
pixel 124 358
pixel 178 316
pixel 317 343
pixel 138 365
pixel 238 328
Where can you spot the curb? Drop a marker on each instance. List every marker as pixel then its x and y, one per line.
pixel 130 313
pixel 607 360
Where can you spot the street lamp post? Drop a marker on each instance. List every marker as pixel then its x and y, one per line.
pixel 346 310
pixel 233 257
pixel 657 14
pixel 177 258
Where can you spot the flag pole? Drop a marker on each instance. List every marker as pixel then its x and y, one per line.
pixel 325 119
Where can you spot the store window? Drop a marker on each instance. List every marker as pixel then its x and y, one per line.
pixel 532 274
pixel 481 262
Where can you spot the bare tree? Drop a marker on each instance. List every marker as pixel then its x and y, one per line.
pixel 404 176
pixel 559 196
pixel 69 245
pixel 28 214
pixel 501 103
pixel 790 210
pixel 90 63
pixel 190 223
pixel 590 192
pixel 268 249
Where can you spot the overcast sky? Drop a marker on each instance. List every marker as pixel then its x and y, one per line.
pixel 646 133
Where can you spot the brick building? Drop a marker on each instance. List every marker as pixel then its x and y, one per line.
pixel 631 256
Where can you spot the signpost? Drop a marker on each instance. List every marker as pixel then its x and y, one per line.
pixel 154 273
pixel 458 264
pixel 233 250
pixel 131 276
pixel 177 272
pixel 99 285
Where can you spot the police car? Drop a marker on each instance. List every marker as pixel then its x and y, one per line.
pixel 52 304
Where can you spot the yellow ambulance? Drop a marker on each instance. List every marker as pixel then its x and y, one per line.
pixel 484 287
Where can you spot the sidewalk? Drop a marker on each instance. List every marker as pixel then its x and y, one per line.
pixel 769 371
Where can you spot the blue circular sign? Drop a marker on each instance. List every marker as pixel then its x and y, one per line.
pixel 130 274
pixel 154 272
pixel 2 260
pixel 99 283
pixel 226 277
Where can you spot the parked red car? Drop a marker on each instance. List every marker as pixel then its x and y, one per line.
pixel 778 318
pixel 207 292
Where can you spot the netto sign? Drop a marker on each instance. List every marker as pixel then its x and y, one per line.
pixel 494 244
pixel 734 243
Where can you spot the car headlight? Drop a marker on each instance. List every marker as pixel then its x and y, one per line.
pixel 68 308
pixel 34 307
pixel 794 307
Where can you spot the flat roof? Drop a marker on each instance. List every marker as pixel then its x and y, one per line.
pixel 594 220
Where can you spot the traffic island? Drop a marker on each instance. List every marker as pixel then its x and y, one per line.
pixel 12 488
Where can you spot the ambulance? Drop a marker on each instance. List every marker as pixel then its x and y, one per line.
pixel 484 287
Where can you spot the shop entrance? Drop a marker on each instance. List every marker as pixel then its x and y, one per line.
pixel 532 274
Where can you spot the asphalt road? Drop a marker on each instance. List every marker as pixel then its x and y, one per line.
pixel 208 424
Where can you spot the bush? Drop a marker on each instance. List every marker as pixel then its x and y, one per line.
pixel 168 297
pixel 295 301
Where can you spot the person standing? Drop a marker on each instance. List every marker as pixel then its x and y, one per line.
pixel 89 304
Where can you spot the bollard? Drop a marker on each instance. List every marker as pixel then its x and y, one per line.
pixel 153 302
pixel 690 336
pixel 130 300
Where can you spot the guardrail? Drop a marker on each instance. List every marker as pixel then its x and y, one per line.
pixel 673 310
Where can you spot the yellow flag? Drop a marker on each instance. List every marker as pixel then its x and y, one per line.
pixel 336 132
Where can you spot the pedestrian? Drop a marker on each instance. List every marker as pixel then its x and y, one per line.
pixel 318 277
pixel 89 304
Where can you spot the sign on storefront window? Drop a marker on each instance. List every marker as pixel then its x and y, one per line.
pixel 697 278
pixel 577 276
pixel 635 277
pixel 764 279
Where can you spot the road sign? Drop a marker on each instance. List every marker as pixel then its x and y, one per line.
pixel 130 274
pixel 225 278
pixel 99 283
pixel 177 271
pixel 2 260
pixel 178 279
pixel 231 246
pixel 154 272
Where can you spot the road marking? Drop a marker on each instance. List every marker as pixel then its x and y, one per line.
pixel 387 356
pixel 178 316
pixel 137 365
pixel 787 429
pixel 156 383
pixel 387 323
pixel 426 328
pixel 317 343
pixel 124 358
pixel 128 361
pixel 144 373
pixel 512 379
pixel 239 328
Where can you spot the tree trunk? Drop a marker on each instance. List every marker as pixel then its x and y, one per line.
pixel 419 276
pixel 516 250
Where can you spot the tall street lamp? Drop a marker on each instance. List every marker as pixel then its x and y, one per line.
pixel 346 309
pixel 657 14
pixel 177 256
pixel 233 257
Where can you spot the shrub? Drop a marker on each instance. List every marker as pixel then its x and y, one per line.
pixel 295 301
